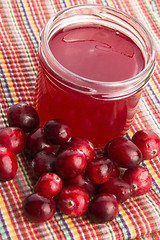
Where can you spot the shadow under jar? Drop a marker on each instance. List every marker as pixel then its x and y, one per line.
pixel 93 64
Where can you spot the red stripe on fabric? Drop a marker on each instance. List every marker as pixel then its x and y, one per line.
pixel 8 200
pixel 4 103
pixel 32 16
pixel 23 30
pixel 6 46
pixel 148 214
pixel 143 215
pixel 15 60
pixel 60 234
pixel 153 108
pixel 18 213
pixel 148 17
pixel 138 122
pixel 123 6
pixel 28 43
pixel 37 13
pixel 154 196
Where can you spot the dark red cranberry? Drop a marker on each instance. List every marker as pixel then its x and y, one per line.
pixel 43 162
pixel 73 200
pixel 82 144
pixel 139 179
pixel 8 164
pixel 49 184
pixel 57 131
pixel 105 150
pixel 115 170
pixel 70 163
pixel 39 208
pixel 103 208
pixel 14 138
pixel 124 152
pixel 148 142
pixel 36 142
pixel 24 116
pixel 99 170
pixel 84 182
pixel 118 187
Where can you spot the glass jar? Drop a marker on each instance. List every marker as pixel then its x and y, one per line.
pixel 95 109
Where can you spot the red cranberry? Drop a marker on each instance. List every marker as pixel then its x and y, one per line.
pixel 39 208
pixel 99 170
pixel 70 163
pixel 115 170
pixel 14 138
pixel 57 131
pixel 73 200
pixel 82 144
pixel 148 142
pixel 82 181
pixel 118 187
pixel 49 184
pixel 105 150
pixel 139 179
pixel 43 162
pixel 8 164
pixel 36 142
pixel 103 208
pixel 124 152
pixel 24 116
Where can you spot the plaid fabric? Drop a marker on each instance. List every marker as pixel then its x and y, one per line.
pixel 21 23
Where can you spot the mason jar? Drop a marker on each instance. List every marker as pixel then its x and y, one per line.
pixel 78 82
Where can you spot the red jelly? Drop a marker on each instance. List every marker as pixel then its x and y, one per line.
pixel 93 64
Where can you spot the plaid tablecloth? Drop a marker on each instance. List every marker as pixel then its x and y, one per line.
pixel 21 23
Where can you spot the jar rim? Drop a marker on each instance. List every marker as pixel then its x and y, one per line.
pixel 149 67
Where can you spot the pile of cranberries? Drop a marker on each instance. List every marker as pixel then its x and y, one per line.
pixel 68 172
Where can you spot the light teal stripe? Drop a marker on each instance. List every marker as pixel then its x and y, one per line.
pixel 28 28
pixel 52 5
pixel 6 89
pixel 63 5
pixel 151 93
pixel 25 46
pixel 124 229
pixel 136 8
pixel 11 212
pixel 3 234
pixel 145 106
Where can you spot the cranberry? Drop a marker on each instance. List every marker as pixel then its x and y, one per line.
pixel 148 142
pixel 82 181
pixel 43 162
pixel 139 179
pixel 8 164
pixel 105 150
pixel 57 131
pixel 24 116
pixel 124 152
pixel 117 187
pixel 39 208
pixel 82 144
pixel 115 170
pixel 13 138
pixel 73 200
pixel 103 208
pixel 99 170
pixel 36 142
pixel 70 163
pixel 49 184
